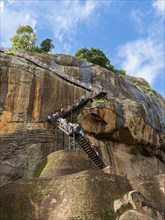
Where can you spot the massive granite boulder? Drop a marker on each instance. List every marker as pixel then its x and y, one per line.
pixel 28 93
pixel 68 192
pixel 130 124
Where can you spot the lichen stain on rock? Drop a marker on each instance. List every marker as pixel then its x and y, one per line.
pixel 130 126
pixel 28 93
pixel 36 101
pixel 4 126
pixel 64 162
pixel 96 120
pixel 103 120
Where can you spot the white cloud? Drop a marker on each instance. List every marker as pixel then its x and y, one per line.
pixel 66 17
pixel 31 21
pixel 1 6
pixel 60 18
pixel 144 57
pixel 159 6
pixel 11 19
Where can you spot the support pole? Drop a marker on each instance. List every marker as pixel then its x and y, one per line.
pixel 57 137
pixel 63 140
pixel 109 155
pixel 69 142
pixel 74 139
pixel 110 160
pixel 71 116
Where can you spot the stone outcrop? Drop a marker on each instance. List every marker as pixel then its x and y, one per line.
pixel 65 192
pixel 82 194
pixel 65 162
pixel 152 188
pixel 139 203
pixel 132 214
pixel 28 93
pixel 124 123
pixel 128 159
pixel 127 130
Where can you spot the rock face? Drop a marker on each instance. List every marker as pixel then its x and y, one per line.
pixel 152 188
pixel 33 86
pixel 66 162
pixel 28 93
pixel 127 130
pixel 139 203
pixel 132 214
pixel 89 194
pixel 82 195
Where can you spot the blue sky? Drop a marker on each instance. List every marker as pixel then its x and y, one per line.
pixel 130 32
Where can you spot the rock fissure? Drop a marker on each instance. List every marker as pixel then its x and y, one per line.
pixel 129 124
pixel 23 70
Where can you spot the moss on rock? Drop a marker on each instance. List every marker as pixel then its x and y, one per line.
pixel 65 162
pixel 87 193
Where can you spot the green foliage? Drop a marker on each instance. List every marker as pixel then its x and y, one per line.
pixel 118 100
pixel 94 55
pixel 89 105
pixel 99 100
pixel 47 45
pixel 133 102
pixel 136 84
pixel 24 39
pixel 121 72
pixel 109 215
pixel 83 217
pixel 40 168
pixel 121 76
pixel 37 49
pixel 111 67
pixel 10 52
pixel 148 89
pixel 151 93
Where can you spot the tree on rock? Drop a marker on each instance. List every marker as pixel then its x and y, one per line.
pixel 24 39
pixel 94 55
pixel 47 45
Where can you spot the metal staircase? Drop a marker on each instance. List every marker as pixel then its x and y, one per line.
pixel 83 103
pixel 86 146
pixel 78 139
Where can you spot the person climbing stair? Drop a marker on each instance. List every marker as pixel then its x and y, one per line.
pixel 74 131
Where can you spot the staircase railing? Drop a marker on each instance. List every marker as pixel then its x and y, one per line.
pixel 75 137
pixel 86 146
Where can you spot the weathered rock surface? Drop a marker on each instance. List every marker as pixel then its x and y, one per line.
pixel 152 188
pixel 33 86
pixel 128 131
pixel 129 160
pixel 66 162
pixel 132 214
pixel 124 123
pixel 28 93
pixel 89 194
pixel 139 203
pixel 85 194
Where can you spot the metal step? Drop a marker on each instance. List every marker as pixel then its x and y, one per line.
pixel 78 137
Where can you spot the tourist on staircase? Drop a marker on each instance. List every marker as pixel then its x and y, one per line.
pixel 56 116
pixel 73 127
pixel 63 123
